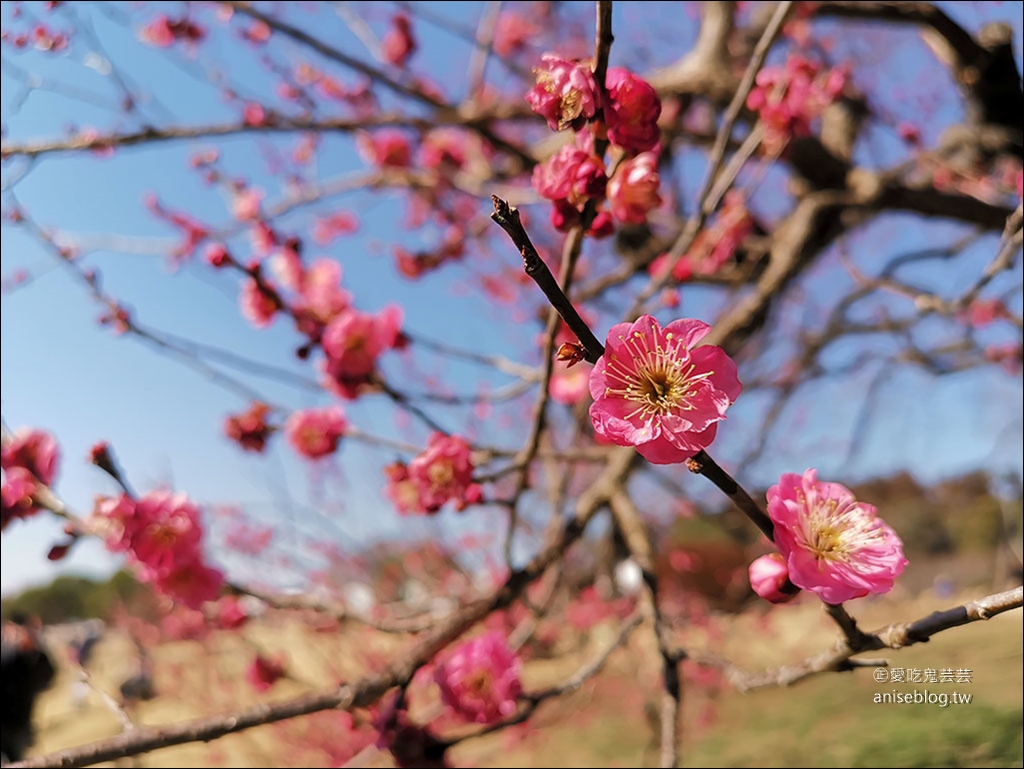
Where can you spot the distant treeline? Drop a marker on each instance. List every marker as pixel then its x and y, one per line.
pixel 70 598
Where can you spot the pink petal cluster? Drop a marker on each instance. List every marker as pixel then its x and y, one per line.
pixel 572 174
pixel 633 189
pixel 29 458
pixel 162 535
pixel 353 342
pixel 387 148
pixel 315 433
pixel 321 298
pixel 653 389
pixel 257 304
pixel 565 94
pixel 249 429
pixel 480 679
pixel 332 226
pixel 441 473
pixel 790 97
pixel 834 545
pixel 632 111
pixel 769 577
pixel 398 43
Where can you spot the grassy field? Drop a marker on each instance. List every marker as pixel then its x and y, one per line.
pixel 830 720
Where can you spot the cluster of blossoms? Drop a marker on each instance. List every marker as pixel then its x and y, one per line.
pixel 441 473
pixel 567 96
pixel 480 679
pixel 162 535
pixel 352 340
pixel 829 543
pixel 790 97
pixel 655 390
pixel 716 244
pixel 29 459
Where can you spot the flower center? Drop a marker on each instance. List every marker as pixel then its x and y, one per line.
pixel 659 380
pixel 837 531
pixel 441 474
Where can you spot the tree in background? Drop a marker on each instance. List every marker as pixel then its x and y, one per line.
pixel 491 286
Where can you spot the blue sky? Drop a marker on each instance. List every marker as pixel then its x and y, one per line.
pixel 65 373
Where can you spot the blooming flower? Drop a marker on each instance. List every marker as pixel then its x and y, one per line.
pixel 480 679
pixel 572 174
pixel 654 390
pixel 315 433
pixel 632 112
pixel 633 189
pixel 443 472
pixel 769 576
pixel 834 545
pixel 162 535
pixel 565 94
pixel 29 458
pixel 352 342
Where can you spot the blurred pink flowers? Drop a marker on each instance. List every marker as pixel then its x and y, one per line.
pixel 28 458
pixel 161 533
pixel 441 473
pixel 834 545
pixel 654 390
pixel 315 433
pixel 480 679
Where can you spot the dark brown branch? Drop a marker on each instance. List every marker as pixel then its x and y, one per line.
pixel 507 217
pixel 703 464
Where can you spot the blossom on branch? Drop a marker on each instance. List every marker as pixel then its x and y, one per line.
pixel 444 472
pixel 480 679
pixel 352 343
pixel 29 458
pixel 565 94
pixel 653 389
pixel 632 111
pixel 162 535
pixel 834 545
pixel 315 433
pixel 633 189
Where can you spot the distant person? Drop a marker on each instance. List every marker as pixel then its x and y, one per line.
pixel 25 671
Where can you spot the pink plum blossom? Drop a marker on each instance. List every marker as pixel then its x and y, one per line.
pixel 315 433
pixel 565 94
pixel 769 577
pixel 633 189
pixel 480 679
pixel 353 341
pixel 834 545
pixel 444 472
pixel 632 111
pixel 653 389
pixel 34 450
pixel 571 174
